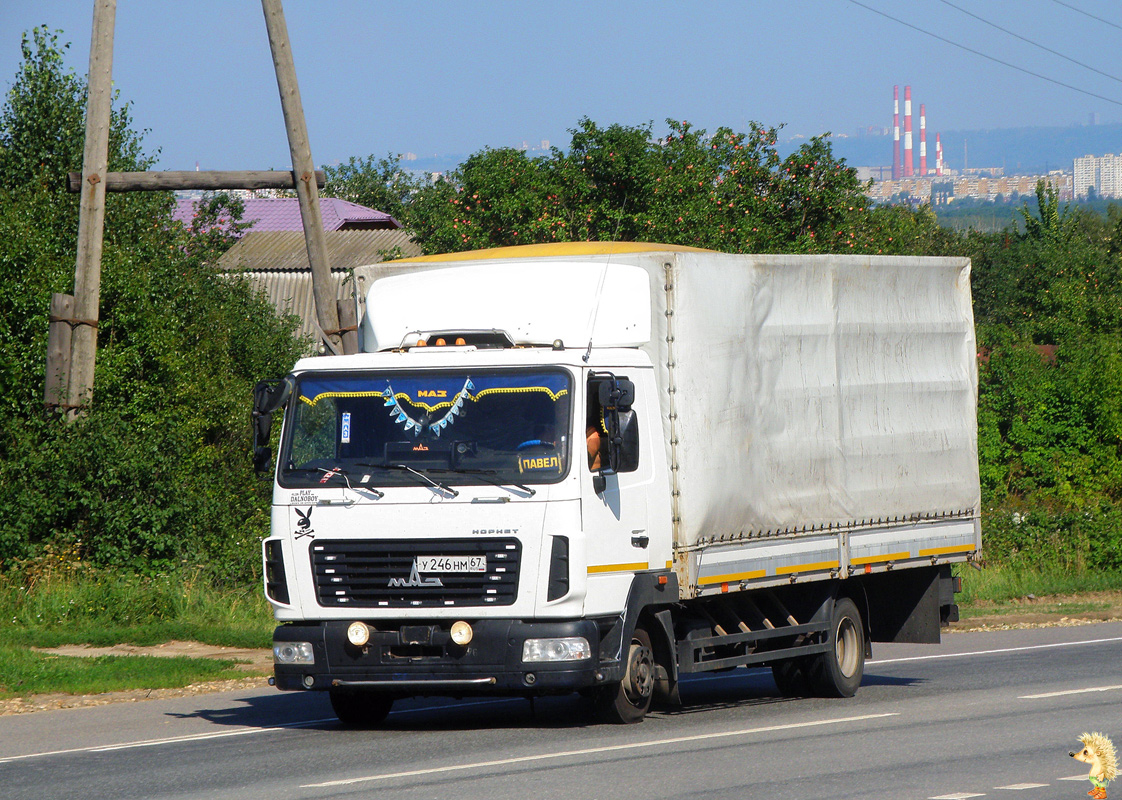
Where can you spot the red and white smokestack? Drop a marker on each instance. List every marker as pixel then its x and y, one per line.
pixel 922 139
pixel 895 133
pixel 938 155
pixel 908 131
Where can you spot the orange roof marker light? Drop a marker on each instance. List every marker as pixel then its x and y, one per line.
pixel 440 342
pixel 460 341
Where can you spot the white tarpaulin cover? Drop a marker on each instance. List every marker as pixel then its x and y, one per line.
pixel 815 390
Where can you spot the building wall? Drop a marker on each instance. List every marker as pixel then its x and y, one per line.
pixel 1101 173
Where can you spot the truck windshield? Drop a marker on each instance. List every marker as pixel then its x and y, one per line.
pixel 461 427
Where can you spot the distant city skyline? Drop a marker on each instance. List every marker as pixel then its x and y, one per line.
pixel 437 79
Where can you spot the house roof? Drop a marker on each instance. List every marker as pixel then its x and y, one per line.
pixel 286 251
pixel 276 263
pixel 283 214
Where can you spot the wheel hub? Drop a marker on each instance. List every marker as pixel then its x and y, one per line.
pixel 638 683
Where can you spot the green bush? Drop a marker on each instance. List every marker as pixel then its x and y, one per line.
pixel 157 476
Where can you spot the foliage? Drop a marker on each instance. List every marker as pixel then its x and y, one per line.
pixel 379 183
pixel 157 475
pixel 725 191
pixel 1048 303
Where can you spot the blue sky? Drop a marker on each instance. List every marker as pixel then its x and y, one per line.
pixel 451 78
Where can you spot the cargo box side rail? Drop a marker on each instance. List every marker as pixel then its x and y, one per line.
pixel 718 567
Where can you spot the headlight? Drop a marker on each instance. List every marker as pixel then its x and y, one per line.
pixel 293 653
pixel 570 648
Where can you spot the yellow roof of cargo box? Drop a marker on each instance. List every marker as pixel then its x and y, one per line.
pixel 559 249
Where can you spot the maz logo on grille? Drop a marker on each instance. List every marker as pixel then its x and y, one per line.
pixel 414 579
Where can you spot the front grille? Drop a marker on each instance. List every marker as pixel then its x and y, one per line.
pixel 384 574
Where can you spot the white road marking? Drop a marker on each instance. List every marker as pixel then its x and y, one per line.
pixel 958 796
pixel 1082 777
pixel 992 652
pixel 592 750
pixel 197 737
pixel 1069 691
pixel 1016 787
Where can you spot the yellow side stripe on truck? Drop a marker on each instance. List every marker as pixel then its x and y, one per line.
pixel 731 578
pixel 942 551
pixel 618 567
pixel 806 567
pixel 880 558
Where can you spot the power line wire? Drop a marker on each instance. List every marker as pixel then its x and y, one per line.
pixel 985 55
pixel 1030 41
pixel 1086 14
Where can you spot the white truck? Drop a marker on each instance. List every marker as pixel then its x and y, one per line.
pixel 599 467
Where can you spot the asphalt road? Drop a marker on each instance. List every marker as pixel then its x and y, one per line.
pixel 983 714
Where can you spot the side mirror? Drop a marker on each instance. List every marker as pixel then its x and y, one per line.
pixel 268 396
pixel 617 393
pixel 262 456
pixel 624 452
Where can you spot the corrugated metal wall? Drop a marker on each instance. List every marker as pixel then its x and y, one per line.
pixel 276 263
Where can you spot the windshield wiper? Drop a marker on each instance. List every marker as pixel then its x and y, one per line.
pixel 483 473
pixel 404 468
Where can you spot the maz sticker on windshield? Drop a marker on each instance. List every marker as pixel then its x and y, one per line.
pixel 345 428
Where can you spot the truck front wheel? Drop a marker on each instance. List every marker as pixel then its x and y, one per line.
pixel 791 677
pixel 837 672
pixel 360 709
pixel 629 700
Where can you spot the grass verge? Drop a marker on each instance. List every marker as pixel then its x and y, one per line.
pixel 105 608
pixel 57 607
pixel 25 672
pixel 1005 585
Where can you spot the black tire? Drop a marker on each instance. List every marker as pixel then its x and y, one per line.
pixel 838 672
pixel 360 709
pixel 629 700
pixel 790 677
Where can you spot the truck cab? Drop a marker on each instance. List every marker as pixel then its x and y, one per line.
pixel 460 512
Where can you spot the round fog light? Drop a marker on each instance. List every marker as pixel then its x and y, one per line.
pixel 461 633
pixel 358 634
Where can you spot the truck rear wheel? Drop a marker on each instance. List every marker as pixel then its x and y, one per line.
pixel 629 700
pixel 356 708
pixel 837 672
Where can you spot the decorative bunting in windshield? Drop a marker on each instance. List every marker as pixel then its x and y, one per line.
pixel 402 417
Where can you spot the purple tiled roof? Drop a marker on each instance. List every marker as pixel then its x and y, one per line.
pixel 283 214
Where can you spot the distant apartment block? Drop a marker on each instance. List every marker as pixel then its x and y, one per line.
pixel 950 188
pixel 1101 173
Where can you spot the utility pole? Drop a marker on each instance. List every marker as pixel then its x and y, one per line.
pixel 91 214
pixel 327 312
pixel 72 345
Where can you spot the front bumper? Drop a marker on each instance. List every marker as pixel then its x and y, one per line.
pixel 419 659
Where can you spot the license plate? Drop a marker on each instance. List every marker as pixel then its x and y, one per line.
pixel 451 563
